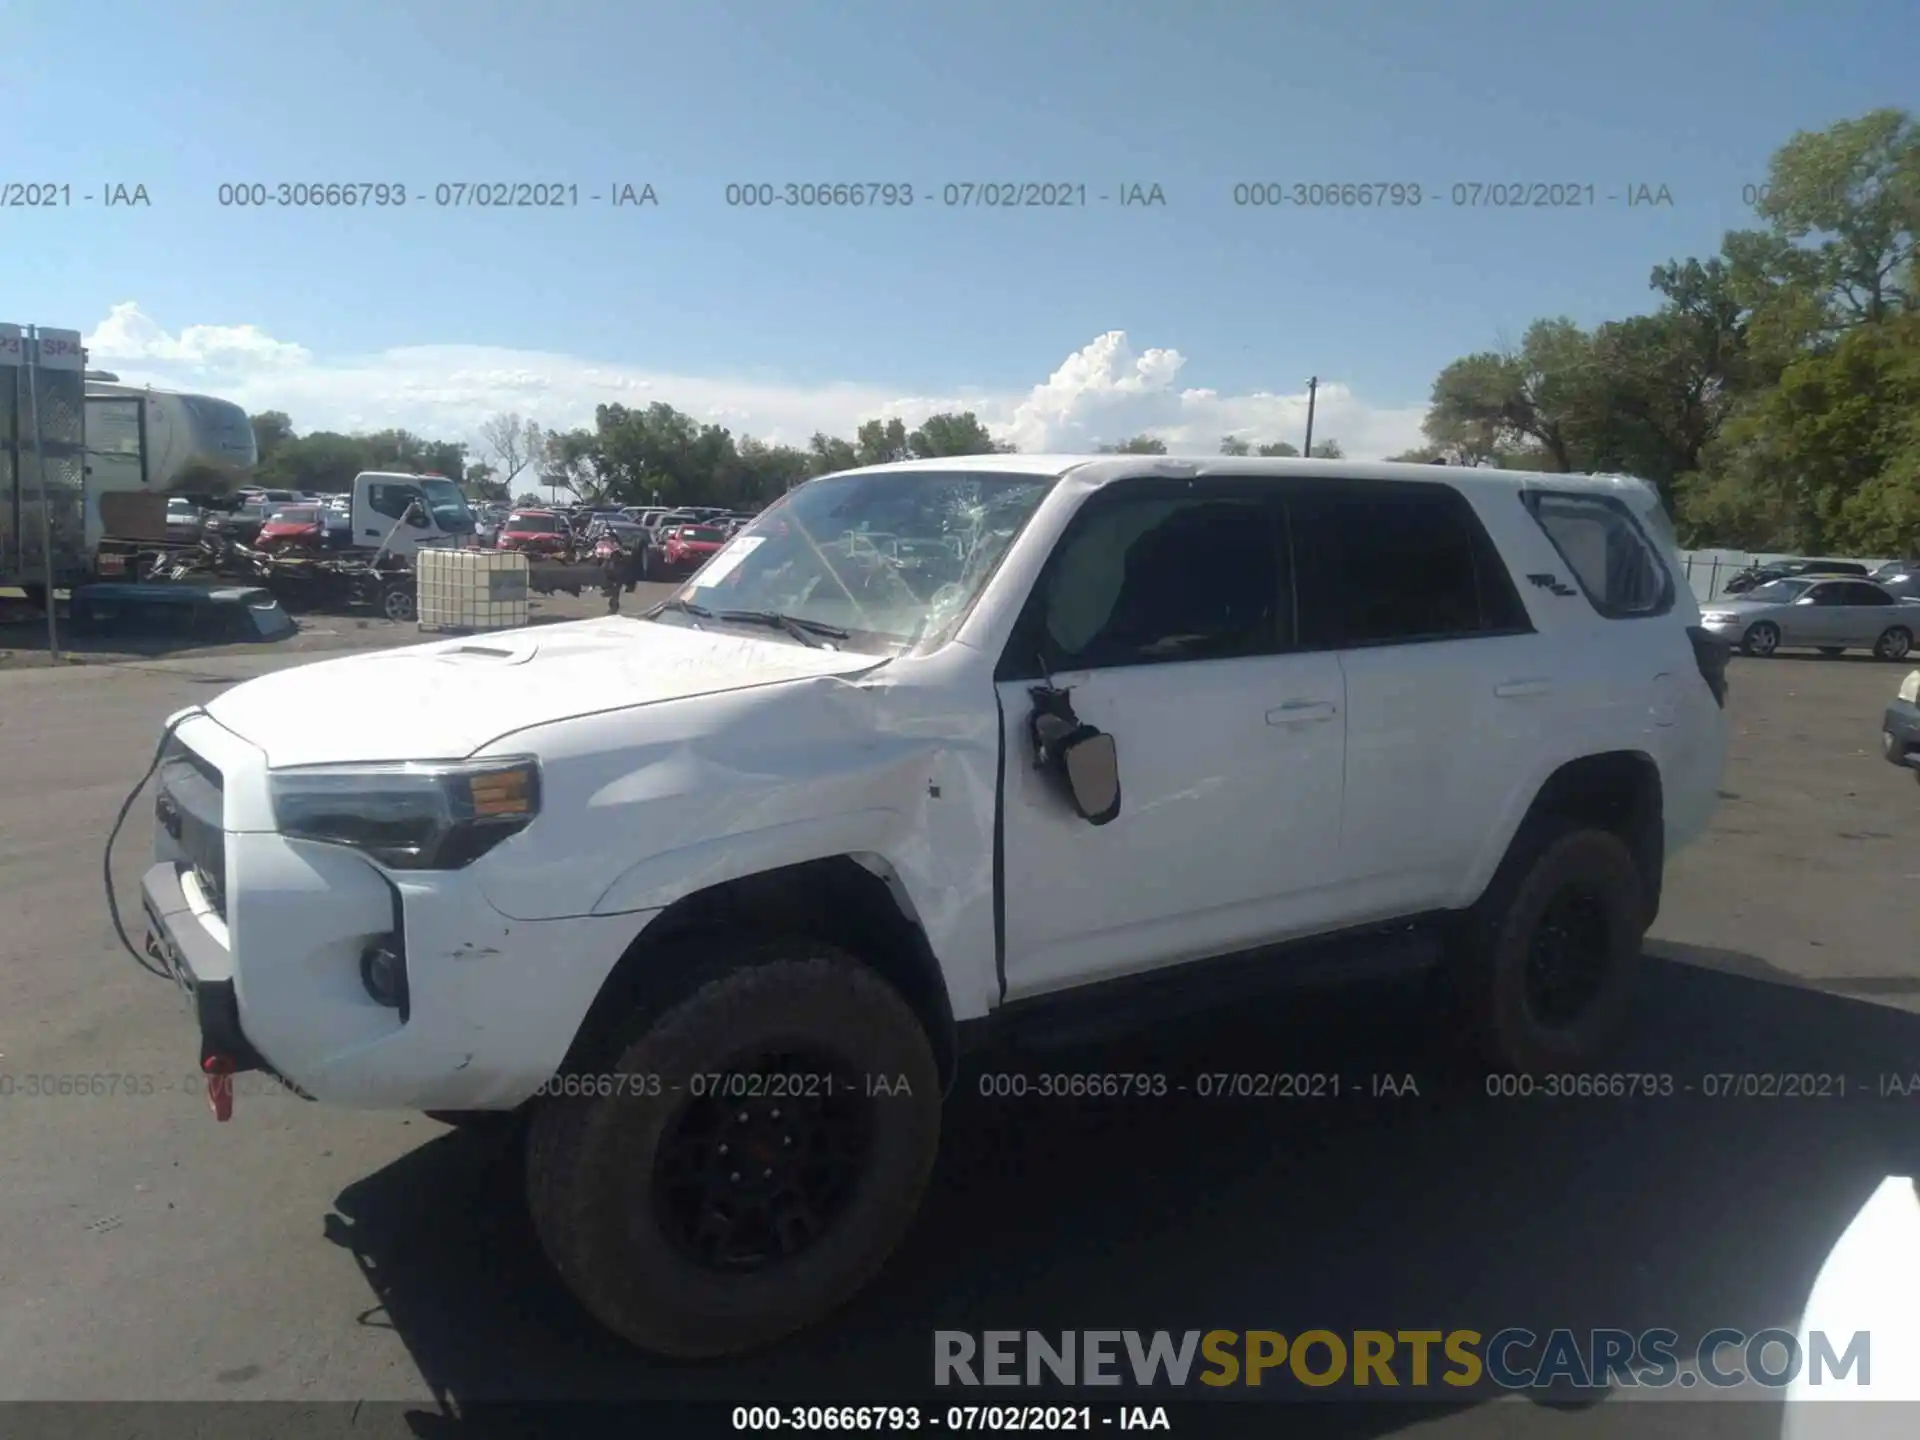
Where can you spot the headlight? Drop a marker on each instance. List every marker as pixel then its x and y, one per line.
pixel 1910 687
pixel 1716 617
pixel 413 816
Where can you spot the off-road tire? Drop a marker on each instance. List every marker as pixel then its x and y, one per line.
pixel 1485 974
pixel 590 1160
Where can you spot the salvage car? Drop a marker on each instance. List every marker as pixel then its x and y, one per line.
pixel 294 527
pixel 535 532
pixel 1809 612
pixel 687 547
pixel 715 898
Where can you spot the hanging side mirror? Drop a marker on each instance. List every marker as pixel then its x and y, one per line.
pixel 1083 763
pixel 1092 765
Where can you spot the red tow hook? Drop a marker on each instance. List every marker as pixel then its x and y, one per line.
pixel 219 1073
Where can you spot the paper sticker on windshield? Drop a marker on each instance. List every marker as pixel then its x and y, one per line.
pixel 728 560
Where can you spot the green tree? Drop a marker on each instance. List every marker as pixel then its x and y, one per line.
pixel 948 433
pixel 1234 445
pixel 1848 198
pixel 827 454
pixel 1329 450
pixel 1278 450
pixel 1828 459
pixel 271 430
pixel 882 442
pixel 1138 445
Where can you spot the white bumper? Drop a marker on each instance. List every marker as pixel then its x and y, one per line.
pixel 494 1004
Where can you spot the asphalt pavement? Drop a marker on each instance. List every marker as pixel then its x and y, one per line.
pixel 308 1254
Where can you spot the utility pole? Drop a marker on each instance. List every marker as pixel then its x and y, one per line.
pixel 1313 389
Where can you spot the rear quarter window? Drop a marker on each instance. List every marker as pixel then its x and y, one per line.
pixel 1609 554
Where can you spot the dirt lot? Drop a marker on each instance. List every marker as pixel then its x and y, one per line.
pixel 311 1254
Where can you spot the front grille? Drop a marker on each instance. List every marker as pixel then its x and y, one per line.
pixel 191 805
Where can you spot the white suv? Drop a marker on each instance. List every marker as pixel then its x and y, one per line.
pixel 716 897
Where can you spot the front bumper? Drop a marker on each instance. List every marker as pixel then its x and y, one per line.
pixel 185 948
pixel 276 969
pixel 1731 630
pixel 1900 734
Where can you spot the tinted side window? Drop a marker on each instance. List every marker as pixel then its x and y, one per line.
pixel 1385 563
pixel 1149 579
pixel 1861 593
pixel 1610 557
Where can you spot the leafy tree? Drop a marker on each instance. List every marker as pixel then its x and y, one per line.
pixel 1329 450
pixel 1234 445
pixel 1279 450
pixel 271 430
pixel 882 442
pixel 1848 199
pixel 954 434
pixel 1138 445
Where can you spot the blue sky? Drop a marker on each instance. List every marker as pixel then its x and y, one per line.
pixel 780 322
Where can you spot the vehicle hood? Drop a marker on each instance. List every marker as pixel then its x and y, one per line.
pixel 448 699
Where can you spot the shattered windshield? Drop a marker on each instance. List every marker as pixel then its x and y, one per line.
pixel 891 558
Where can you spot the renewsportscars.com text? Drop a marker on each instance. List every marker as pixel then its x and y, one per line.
pixel 1511 1359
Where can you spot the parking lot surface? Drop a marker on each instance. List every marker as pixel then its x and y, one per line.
pixel 309 1254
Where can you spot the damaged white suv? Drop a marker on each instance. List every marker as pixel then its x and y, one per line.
pixel 717 896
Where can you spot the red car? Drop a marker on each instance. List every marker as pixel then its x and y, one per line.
pixel 294 527
pixel 534 532
pixel 688 547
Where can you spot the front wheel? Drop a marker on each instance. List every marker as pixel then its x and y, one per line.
pixel 748 1158
pixel 396 603
pixel 1894 643
pixel 1762 639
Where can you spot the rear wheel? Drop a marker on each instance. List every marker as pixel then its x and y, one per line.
pixel 1543 969
pixel 732 1176
pixel 396 603
pixel 1894 643
pixel 1762 639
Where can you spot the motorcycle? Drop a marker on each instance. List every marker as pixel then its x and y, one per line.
pixel 614 562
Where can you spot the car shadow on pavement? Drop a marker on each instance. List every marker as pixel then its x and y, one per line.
pixel 1443 1209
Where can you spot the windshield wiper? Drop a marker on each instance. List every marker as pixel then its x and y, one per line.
pixel 686 607
pixel 806 631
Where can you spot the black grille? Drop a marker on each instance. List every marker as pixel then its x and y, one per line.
pixel 191 805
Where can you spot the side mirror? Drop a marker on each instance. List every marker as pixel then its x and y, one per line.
pixel 1082 762
pixel 1092 765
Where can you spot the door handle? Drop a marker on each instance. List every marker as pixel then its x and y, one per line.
pixel 1296 712
pixel 1520 689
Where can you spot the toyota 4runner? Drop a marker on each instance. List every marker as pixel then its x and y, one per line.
pixel 714 898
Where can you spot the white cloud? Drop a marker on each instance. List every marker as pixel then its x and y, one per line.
pixel 1103 392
